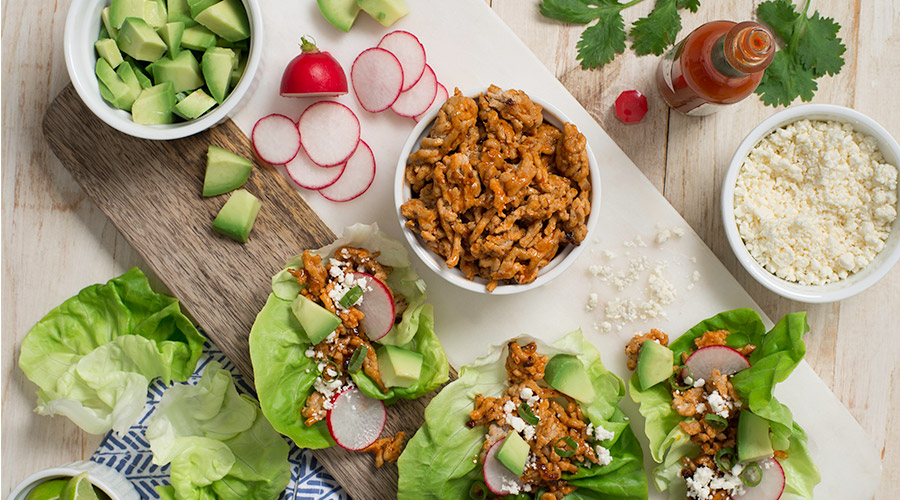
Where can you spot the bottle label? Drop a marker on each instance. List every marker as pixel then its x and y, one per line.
pixel 665 65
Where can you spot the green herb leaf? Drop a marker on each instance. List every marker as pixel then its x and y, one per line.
pixel 527 415
pixel 780 16
pixel 785 80
pixel 652 34
pixel 351 297
pixel 691 5
pixel 560 445
pixel 601 42
pixel 356 360
pixel 819 47
pixel 571 11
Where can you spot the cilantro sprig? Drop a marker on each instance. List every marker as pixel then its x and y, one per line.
pixel 811 50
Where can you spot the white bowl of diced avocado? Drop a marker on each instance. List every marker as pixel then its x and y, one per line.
pixel 163 69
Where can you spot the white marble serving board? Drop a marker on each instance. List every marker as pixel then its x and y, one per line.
pixel 468 47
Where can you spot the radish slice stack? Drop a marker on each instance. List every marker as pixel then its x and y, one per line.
pixel 375 76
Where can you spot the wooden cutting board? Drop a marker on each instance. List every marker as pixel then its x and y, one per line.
pixel 150 190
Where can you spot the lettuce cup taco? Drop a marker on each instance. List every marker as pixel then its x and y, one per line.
pixel 713 423
pixel 345 331
pixel 529 420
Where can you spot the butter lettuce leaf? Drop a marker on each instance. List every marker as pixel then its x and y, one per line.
pixel 284 375
pixel 440 461
pixel 94 356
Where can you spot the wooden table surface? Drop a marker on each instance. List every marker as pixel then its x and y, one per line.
pixel 55 241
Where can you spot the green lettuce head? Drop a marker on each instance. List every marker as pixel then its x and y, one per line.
pixel 777 353
pixel 94 356
pixel 440 461
pixel 284 375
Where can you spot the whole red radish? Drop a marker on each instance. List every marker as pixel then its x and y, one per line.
pixel 313 73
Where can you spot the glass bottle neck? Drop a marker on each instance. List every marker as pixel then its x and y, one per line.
pixel 745 49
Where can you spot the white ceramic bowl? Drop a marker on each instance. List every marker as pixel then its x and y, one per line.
pixel 554 268
pixel 82 28
pixel 112 483
pixel 831 292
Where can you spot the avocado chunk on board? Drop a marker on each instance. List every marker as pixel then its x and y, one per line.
pixel 316 321
pixel 139 40
pixel 340 13
pixel 237 216
pixel 183 71
pixel 399 367
pixel 154 105
pixel 217 64
pixel 225 171
pixel 386 12
pixel 566 373
pixel 753 442
pixel 656 363
pixel 194 105
pixel 513 453
pixel 228 19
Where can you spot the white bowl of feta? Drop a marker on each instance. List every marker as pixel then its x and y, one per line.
pixel 810 203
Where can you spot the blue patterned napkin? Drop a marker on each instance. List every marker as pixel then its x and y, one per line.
pixel 130 453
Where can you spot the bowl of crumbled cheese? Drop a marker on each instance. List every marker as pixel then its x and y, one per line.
pixel 810 203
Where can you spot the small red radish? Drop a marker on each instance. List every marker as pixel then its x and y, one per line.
pixel 631 106
pixel 329 133
pixel 313 74
pixel 770 486
pixel 409 51
pixel 308 175
pixel 703 361
pixel 439 100
pixel 355 420
pixel 377 79
pixel 275 139
pixel 416 100
pixel 497 476
pixel 357 177
pixel 377 305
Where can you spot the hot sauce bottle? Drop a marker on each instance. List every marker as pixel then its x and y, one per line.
pixel 719 63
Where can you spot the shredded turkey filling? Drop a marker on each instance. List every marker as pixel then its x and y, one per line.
pixel 496 191
pixel 559 416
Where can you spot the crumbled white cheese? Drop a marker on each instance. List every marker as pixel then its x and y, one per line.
pixel 609 254
pixel 327 389
pixel 603 455
pixel 310 353
pixel 601 434
pixel 698 483
pixel 593 298
pixel 814 201
pixel 700 408
pixel 665 235
pixel 699 382
pixel 705 480
pixel 511 487
pixel 718 404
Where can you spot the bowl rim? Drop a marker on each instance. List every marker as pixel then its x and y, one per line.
pixel 101 475
pixel 554 268
pixel 85 82
pixel 815 294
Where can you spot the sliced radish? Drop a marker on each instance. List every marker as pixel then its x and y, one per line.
pixel 329 133
pixel 497 476
pixel 355 420
pixel 439 100
pixel 715 357
pixel 409 51
pixel 377 305
pixel 308 175
pixel 770 486
pixel 377 79
pixel 275 139
pixel 416 100
pixel 357 177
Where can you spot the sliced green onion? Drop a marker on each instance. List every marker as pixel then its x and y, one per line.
pixel 478 491
pixel 563 452
pixel 675 381
pixel 356 361
pixel 752 474
pixel 527 415
pixel 716 422
pixel 351 297
pixel 725 459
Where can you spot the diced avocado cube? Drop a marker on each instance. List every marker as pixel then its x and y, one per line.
pixel 513 453
pixel 399 367
pixel 180 12
pixel 154 105
pixel 115 90
pixel 566 373
pixel 386 12
pixel 753 442
pixel 315 320
pixel 655 364
pixel 119 10
pixel 198 6
pixel 340 13
pixel 171 33
pixel 183 71
pixel 155 13
pixel 103 33
pixel 217 64
pixel 228 19
pixel 142 77
pixel 194 105
pixel 197 38
pixel 236 219
pixel 107 49
pixel 225 171
pixel 238 70
pixel 140 41
pixel 111 30
pixel 126 72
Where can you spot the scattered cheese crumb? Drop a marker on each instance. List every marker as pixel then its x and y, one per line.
pixel 593 298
